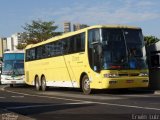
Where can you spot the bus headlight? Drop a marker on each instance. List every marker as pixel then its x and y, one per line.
pixel 2 78
pixel 145 74
pixel 111 75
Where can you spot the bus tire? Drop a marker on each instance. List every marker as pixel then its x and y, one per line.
pixel 43 83
pixel 86 85
pixel 37 84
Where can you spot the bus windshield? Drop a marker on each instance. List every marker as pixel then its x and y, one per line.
pixel 122 49
pixel 13 67
pixel 13 64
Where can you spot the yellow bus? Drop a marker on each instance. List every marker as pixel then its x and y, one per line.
pixel 96 57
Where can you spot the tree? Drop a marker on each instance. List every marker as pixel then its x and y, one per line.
pixel 21 46
pixel 150 40
pixel 39 31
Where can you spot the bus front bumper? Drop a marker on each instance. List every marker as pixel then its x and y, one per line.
pixel 12 82
pixel 115 83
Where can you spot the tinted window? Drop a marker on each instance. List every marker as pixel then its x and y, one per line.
pixel 51 49
pixel 39 52
pixel 69 45
pixel 30 54
pixel 57 48
pixel 65 46
pixel 94 36
pixel 13 56
pixel 74 44
pixel 93 54
pixel 48 48
pixel 80 43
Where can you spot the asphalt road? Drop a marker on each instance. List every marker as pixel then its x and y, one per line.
pixel 25 103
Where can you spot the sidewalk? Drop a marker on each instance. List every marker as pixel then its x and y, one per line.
pixel 7 115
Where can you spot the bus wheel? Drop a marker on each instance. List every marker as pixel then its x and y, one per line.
pixel 37 84
pixel 11 85
pixel 86 85
pixel 43 83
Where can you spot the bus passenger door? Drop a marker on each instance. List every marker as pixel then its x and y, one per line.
pixel 94 50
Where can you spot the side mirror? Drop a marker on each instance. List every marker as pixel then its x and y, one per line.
pixel 97 46
pixel 99 49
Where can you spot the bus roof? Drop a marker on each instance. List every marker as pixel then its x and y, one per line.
pixel 65 35
pixel 14 51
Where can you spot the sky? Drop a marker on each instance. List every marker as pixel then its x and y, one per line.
pixel 142 13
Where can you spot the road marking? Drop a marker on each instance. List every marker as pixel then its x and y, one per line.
pixel 17 96
pixel 80 96
pixel 76 100
pixel 129 106
pixel 137 96
pixel 35 106
pixel 154 103
pixel 2 97
pixel 2 88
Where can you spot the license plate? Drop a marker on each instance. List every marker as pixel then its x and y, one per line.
pixel 130 81
pixel 13 81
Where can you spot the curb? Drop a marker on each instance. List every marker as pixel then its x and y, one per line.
pixel 157 92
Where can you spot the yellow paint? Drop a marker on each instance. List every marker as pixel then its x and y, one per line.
pixel 69 68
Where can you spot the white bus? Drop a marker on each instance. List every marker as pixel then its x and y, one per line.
pixel 13 68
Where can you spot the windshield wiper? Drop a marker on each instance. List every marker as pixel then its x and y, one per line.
pixel 16 71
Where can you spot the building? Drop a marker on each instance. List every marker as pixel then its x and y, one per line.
pixel 67 27
pixel 79 26
pixel 3 46
pixel 10 44
pixel 15 39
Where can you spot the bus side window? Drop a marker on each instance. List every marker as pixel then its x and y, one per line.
pixel 80 42
pixel 33 54
pixel 27 55
pixel 39 52
pixel 71 45
pixel 64 46
pixel 47 49
pixel 94 55
pixel 44 52
pixel 51 49
pixel 94 35
pixel 83 42
pixel 57 48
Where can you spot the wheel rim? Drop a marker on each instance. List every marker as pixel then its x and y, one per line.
pixel 43 84
pixel 86 84
pixel 37 84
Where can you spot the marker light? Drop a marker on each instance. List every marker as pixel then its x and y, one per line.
pixel 145 74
